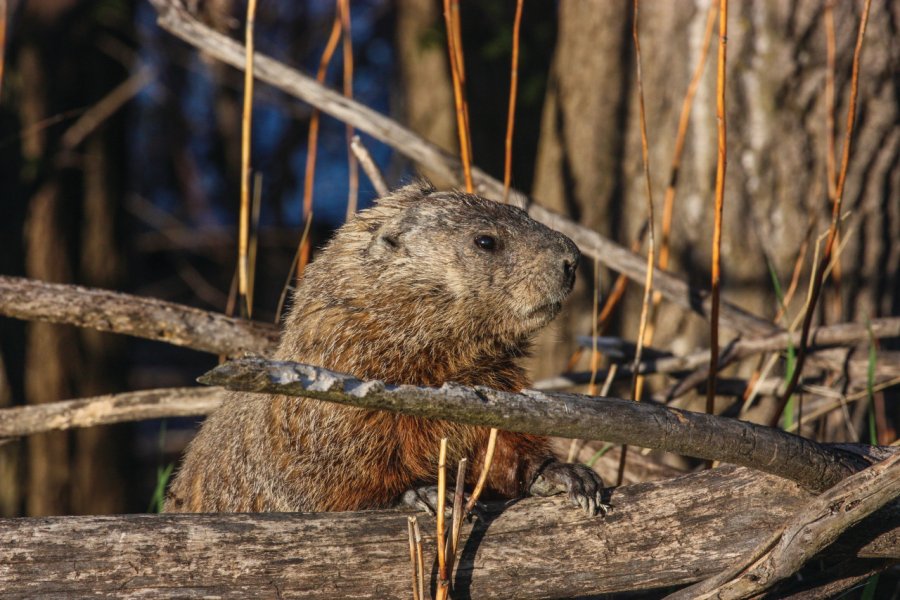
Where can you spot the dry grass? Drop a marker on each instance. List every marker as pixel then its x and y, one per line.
pixel 511 111
pixel 837 200
pixel 246 124
pixel 312 146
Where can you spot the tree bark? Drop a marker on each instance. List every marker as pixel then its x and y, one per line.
pixel 658 534
pixel 564 415
pixel 776 150
pixel 425 78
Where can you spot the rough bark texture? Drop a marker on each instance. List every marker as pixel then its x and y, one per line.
pixel 564 415
pixel 113 408
pixel 578 158
pixel 132 315
pixel 427 93
pixel 658 534
pixel 776 148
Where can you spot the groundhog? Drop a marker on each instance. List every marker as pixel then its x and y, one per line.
pixel 425 287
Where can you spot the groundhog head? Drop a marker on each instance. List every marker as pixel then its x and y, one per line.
pixel 453 263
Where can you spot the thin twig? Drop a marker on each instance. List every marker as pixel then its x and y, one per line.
pixel 246 122
pixel 680 138
pixel 102 110
pixel 368 164
pixel 604 391
pixel 485 468
pixel 719 205
pixel 637 380
pixel 511 111
pixel 255 209
pixel 443 576
pixel 412 556
pixel 831 154
pixel 454 47
pixel 352 165
pixel 420 558
pixel 457 516
pixel 312 145
pixel 818 277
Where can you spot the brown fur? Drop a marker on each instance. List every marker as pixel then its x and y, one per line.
pixel 402 294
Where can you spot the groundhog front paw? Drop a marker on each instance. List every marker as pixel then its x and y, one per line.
pixel 425 498
pixel 583 486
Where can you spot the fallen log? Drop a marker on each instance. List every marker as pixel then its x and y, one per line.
pixel 573 416
pixel 658 534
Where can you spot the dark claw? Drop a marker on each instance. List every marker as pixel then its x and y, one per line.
pixel 582 485
pixel 425 498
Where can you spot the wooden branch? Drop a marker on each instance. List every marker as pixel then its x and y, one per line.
pixel 658 534
pixel 842 334
pixel 368 164
pixel 112 408
pixel 565 415
pixel 133 315
pixel 174 18
pixel 816 527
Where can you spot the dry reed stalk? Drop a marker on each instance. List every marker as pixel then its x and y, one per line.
pixel 412 556
pixel 618 289
pixel 841 401
pixel 443 588
pixel 511 112
pixel 255 209
pixel 454 47
pixel 719 204
pixel 782 309
pixel 457 68
pixel 312 146
pixel 343 9
pixel 680 137
pixel 420 558
pixel 482 477
pixel 637 379
pixel 818 277
pixel 831 152
pixel 246 118
pixel 457 515
pixel 595 332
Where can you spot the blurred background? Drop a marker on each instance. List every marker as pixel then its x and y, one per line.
pixel 120 167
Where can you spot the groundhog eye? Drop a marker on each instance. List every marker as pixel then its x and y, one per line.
pixel 486 242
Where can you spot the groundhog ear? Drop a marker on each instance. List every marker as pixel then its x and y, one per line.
pixel 409 193
pixel 385 240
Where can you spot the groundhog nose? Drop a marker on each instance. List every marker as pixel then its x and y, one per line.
pixel 569 266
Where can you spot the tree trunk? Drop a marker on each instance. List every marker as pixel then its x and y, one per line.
pixel 590 159
pixel 427 94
